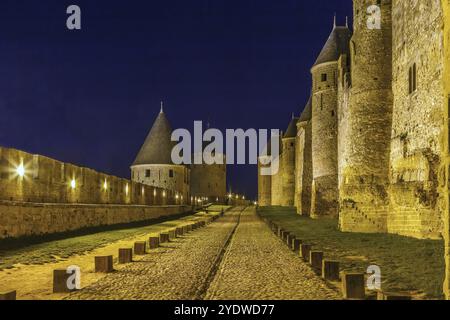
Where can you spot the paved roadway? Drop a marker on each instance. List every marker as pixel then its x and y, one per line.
pixel 236 257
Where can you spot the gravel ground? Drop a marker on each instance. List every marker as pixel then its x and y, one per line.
pixel 259 266
pixel 178 270
pixel 236 257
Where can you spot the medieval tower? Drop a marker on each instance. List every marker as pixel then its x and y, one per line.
pixel 276 186
pixel 288 164
pixel 264 180
pixel 365 122
pixel 325 124
pixel 303 162
pixel 153 165
pixel 209 180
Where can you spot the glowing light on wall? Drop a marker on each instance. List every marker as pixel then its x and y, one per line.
pixel 154 193
pixel 164 194
pixel 143 191
pixel 177 196
pixel 105 185
pixel 73 184
pixel 126 189
pixel 20 170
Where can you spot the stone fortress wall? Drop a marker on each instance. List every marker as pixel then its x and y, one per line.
pixel 379 126
pixel 53 196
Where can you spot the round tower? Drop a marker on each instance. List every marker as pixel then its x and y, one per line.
pixel 209 180
pixel 264 181
pixel 288 164
pixel 325 123
pixel 276 186
pixel 154 167
pixel 303 162
pixel 365 165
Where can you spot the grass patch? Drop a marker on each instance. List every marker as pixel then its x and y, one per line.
pixel 407 264
pixel 55 250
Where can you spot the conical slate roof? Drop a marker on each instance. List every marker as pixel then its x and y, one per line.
pixel 307 112
pixel 291 131
pixel 157 148
pixel 336 45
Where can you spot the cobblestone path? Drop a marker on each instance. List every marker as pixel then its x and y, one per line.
pixel 236 257
pixel 257 265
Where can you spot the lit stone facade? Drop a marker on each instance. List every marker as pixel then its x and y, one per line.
pixel 379 124
pixel 365 124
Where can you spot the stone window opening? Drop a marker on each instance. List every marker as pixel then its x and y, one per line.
pixel 412 78
pixel 324 77
pixel 147 173
pixel 170 173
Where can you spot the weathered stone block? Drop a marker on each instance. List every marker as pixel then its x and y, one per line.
pixel 353 285
pixel 330 270
pixel 153 242
pixel 305 250
pixel 8 296
pixel 104 264
pixel 296 245
pixel 185 230
pixel 60 277
pixel 315 259
pixel 140 248
pixel 172 234
pixel 125 255
pixel 164 237
pixel 387 296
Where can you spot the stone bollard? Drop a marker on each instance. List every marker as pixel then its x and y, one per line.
pixel 386 296
pixel 60 277
pixel 153 242
pixel 305 249
pixel 280 232
pixel 172 234
pixel 179 232
pixel 290 239
pixel 315 259
pixel 125 255
pixel 353 285
pixel 296 245
pixel 330 270
pixel 8 296
pixel 140 248
pixel 104 264
pixel 164 237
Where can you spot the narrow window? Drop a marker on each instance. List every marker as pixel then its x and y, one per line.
pixel 324 77
pixel 414 77
pixel 171 173
pixel 147 173
pixel 410 76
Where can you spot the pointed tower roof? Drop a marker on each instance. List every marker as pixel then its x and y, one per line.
pixel 157 148
pixel 337 44
pixel 291 131
pixel 307 112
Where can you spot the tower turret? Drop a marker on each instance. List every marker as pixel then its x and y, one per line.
pixel 325 124
pixel 288 164
pixel 364 171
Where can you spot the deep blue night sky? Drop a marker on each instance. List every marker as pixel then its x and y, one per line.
pixel 89 97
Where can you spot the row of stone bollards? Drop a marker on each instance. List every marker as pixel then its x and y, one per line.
pixel 105 264
pixel 353 284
